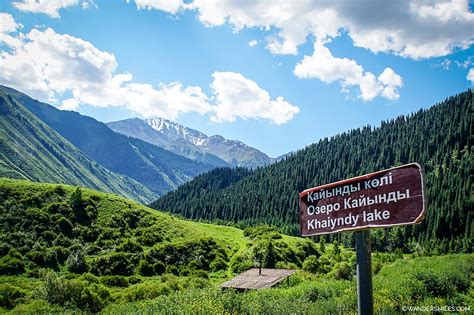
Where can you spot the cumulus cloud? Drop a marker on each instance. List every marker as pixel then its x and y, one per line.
pixel 414 29
pixel 253 43
pixel 238 96
pixel 50 7
pixel 389 82
pixel 69 71
pixel 470 75
pixel 8 24
pixel 327 68
pixel 170 6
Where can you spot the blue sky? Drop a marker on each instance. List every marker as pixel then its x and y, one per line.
pixel 315 70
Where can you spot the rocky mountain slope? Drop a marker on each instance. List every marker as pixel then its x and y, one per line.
pixel 191 143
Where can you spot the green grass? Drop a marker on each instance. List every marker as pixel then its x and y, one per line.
pixel 111 204
pixel 30 149
pixel 107 229
pixel 394 287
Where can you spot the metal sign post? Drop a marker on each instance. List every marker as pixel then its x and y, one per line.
pixel 365 299
pixel 387 198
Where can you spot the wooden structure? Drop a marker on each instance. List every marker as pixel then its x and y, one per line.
pixel 256 279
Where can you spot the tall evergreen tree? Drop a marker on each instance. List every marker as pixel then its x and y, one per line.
pixel 439 139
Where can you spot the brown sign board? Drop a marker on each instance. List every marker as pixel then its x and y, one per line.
pixel 386 198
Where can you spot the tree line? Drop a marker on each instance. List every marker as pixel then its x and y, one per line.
pixel 438 138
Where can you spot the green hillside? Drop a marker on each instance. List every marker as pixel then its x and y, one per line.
pixel 69 249
pixel 96 222
pixel 158 169
pixel 76 231
pixel 439 139
pixel 29 149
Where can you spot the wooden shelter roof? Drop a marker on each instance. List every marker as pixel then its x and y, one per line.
pixel 251 279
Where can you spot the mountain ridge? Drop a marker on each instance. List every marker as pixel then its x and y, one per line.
pixel 31 150
pixel 192 143
pixel 438 138
pixel 156 168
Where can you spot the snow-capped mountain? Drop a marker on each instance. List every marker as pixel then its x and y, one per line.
pixel 215 150
pixel 176 131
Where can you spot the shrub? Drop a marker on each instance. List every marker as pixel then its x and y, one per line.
pixel 262 231
pixel 286 265
pixel 143 291
pixel 172 281
pixel 79 294
pixel 36 256
pixel 342 270
pixel 159 268
pixel 113 264
pixel 197 283
pixel 11 265
pixel 436 284
pixel 65 226
pixel 145 268
pixel 76 199
pixel 240 263
pixel 218 264
pixel 53 289
pixel 114 281
pixel 58 207
pixel 10 295
pixel 172 269
pixel 376 266
pixel 61 253
pixel 92 298
pixel 311 264
pixel 48 236
pixel 5 248
pixel 200 274
pixel 90 278
pixel 76 262
pixel 130 246
pixel 51 258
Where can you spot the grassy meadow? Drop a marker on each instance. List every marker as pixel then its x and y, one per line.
pixel 72 250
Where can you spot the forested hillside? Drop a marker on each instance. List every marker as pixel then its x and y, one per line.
pixel 158 169
pixel 29 149
pixel 439 139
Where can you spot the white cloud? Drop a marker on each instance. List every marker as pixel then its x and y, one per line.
pixel 390 82
pixel 54 67
pixel 8 24
pixel 238 96
pixel 89 4
pixel 446 64
pixel 49 65
pixel 50 7
pixel 414 29
pixel 327 68
pixel 253 43
pixel 466 63
pixel 170 6
pixel 470 75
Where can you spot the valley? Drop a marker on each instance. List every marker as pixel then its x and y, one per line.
pixel 75 245
pixel 97 252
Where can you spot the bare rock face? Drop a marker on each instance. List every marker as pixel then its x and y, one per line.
pixel 193 144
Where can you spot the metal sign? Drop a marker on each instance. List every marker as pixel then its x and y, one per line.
pixel 382 199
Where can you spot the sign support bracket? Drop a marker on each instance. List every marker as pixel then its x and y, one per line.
pixel 365 299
